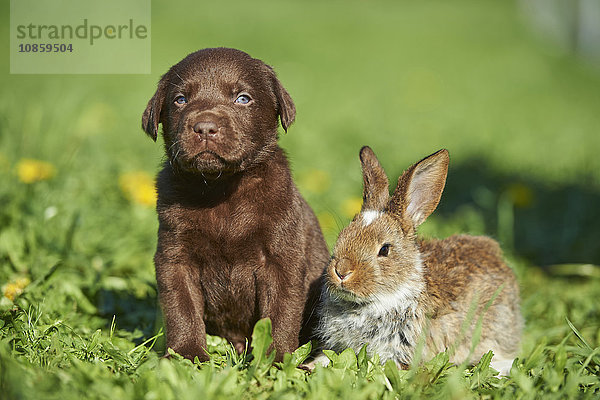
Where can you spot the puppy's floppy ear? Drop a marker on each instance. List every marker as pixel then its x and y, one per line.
pixel 375 182
pixel 285 105
pixel 420 188
pixel 151 116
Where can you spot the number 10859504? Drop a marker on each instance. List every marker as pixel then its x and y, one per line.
pixel 45 48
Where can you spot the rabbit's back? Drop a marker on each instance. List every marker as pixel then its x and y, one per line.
pixel 467 281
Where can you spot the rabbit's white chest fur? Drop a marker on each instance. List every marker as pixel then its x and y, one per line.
pixel 391 324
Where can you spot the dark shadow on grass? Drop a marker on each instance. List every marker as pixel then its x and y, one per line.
pixel 548 224
pixel 140 316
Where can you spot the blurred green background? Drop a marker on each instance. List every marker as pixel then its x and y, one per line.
pixel 518 113
pixel 510 88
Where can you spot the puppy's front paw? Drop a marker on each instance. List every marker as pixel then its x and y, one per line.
pixel 188 352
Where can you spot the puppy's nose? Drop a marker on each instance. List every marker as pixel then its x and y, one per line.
pixel 206 128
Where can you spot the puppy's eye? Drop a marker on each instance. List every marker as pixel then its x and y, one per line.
pixel 180 100
pixel 384 251
pixel 243 99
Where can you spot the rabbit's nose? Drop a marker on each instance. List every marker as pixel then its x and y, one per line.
pixel 342 268
pixel 342 275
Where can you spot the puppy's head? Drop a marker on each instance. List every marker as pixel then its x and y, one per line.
pixel 219 109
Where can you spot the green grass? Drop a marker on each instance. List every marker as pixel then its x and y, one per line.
pixel 520 121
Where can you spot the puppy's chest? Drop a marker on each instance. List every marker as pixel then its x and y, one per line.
pixel 230 297
pixel 225 244
pixel 225 226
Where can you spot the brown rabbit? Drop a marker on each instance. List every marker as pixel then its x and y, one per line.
pixel 389 289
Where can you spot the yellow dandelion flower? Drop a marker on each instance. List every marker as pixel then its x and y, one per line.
pixel 13 289
pixel 30 170
pixel 521 195
pixel 138 187
pixel 327 221
pixel 351 206
pixel 315 180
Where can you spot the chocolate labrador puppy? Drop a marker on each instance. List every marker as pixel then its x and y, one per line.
pixel 236 240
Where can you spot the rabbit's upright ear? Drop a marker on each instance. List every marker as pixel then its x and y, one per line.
pixel 375 183
pixel 420 188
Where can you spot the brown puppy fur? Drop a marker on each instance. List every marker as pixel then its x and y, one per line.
pixel 236 241
pixel 389 289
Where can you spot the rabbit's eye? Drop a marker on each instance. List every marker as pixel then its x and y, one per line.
pixel 384 251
